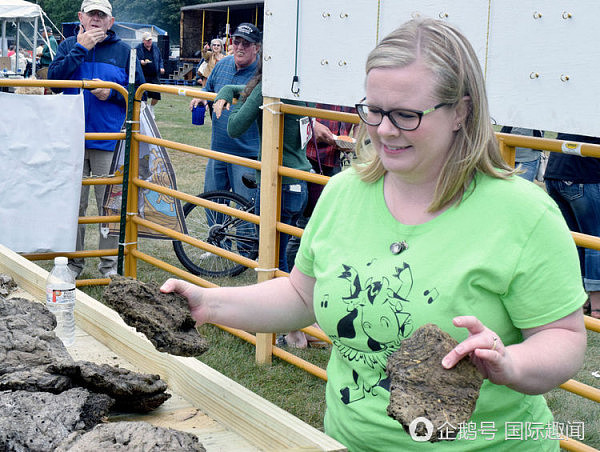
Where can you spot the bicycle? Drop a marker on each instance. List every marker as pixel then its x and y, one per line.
pixel 218 229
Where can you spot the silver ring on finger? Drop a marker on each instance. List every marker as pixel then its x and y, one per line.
pixel 495 339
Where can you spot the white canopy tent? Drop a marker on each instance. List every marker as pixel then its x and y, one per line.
pixel 20 12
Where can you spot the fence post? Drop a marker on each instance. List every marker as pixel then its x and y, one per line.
pixel 270 187
pixel 508 152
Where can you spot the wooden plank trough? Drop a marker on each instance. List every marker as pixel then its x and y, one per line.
pixel 223 414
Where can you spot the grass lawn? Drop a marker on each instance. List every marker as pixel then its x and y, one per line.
pixel 283 384
pixel 570 408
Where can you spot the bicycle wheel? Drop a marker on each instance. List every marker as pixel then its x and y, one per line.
pixel 224 231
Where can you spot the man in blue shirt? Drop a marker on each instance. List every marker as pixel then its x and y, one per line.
pixel 236 69
pixel 96 52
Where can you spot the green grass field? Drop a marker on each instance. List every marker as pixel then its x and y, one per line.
pixel 283 384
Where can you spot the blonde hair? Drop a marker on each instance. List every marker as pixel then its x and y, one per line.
pixel 450 57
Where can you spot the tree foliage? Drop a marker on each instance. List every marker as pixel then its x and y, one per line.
pixel 60 10
pixel 162 13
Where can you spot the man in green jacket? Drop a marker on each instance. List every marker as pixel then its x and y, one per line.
pixel 47 54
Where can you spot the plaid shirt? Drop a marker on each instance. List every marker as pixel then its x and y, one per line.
pixel 329 155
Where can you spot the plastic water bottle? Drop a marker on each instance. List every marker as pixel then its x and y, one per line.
pixel 60 299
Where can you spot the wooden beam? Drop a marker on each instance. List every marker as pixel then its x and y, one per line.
pixel 270 187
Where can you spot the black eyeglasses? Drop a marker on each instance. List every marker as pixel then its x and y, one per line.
pixel 241 42
pixel 402 118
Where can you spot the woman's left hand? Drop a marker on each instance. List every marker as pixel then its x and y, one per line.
pixel 485 349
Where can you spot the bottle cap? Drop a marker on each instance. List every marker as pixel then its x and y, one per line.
pixel 60 260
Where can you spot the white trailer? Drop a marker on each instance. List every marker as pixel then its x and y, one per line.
pixel 539 57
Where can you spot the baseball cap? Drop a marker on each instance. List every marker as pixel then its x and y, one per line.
pixel 248 31
pixel 47 30
pixel 96 5
pixel 147 35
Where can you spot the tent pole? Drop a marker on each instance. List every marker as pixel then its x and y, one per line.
pixel 34 52
pixel 4 43
pixel 202 40
pixel 227 32
pixel 17 49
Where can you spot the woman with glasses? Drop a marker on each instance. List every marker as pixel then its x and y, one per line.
pixel 212 55
pixel 431 226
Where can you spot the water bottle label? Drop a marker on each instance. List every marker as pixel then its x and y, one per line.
pixel 60 296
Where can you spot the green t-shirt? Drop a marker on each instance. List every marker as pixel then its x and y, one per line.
pixel 504 254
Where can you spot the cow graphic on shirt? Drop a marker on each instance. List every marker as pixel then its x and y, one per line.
pixel 375 310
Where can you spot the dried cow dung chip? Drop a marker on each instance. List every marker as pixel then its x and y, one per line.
pixel 164 318
pixel 421 387
pixel 7 285
pixel 37 315
pixel 27 346
pixel 33 359
pixel 132 391
pixel 34 379
pixel 139 436
pixel 41 421
pixel 27 339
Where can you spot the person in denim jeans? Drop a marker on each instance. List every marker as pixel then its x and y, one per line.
pixel 529 159
pixel 574 183
pixel 246 113
pixel 324 156
pixel 293 202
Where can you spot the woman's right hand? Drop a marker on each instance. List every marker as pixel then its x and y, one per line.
pixel 194 295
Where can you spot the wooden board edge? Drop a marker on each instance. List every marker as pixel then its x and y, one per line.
pixel 29 276
pixel 239 409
